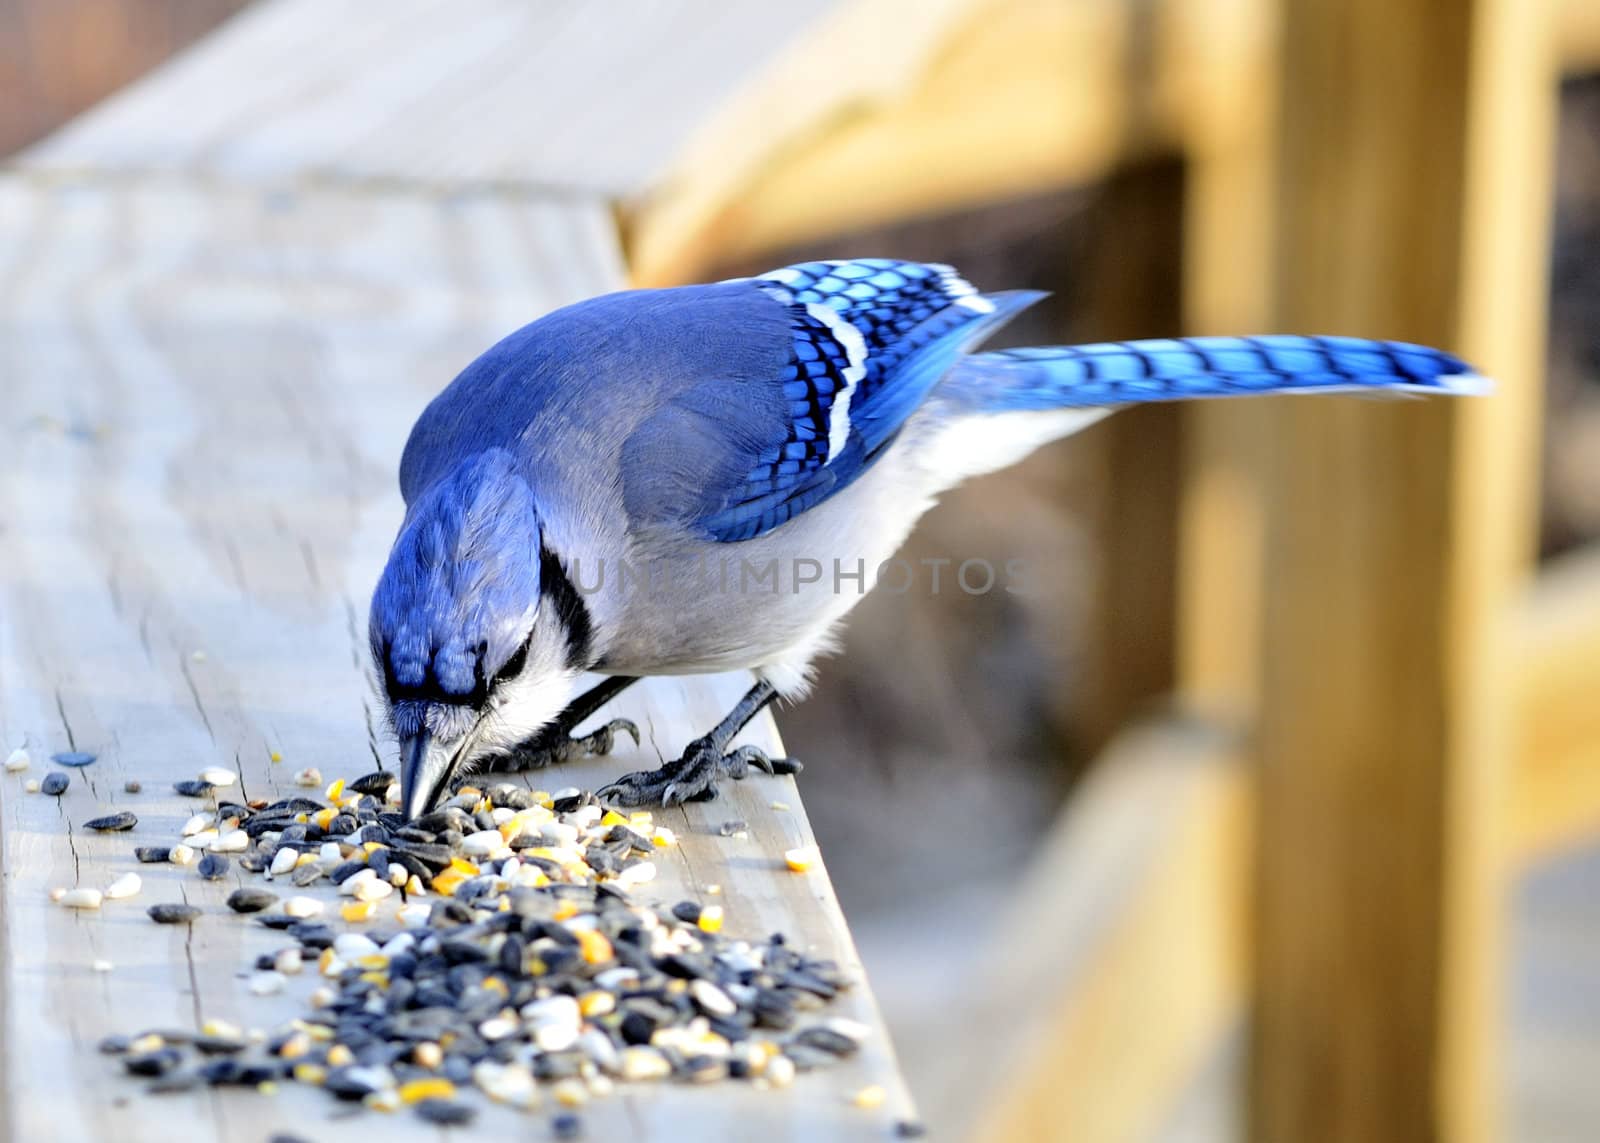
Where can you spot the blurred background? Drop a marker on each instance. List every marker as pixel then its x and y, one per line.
pixel 1163 167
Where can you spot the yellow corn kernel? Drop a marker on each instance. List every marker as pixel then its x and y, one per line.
pixel 267 1087
pixel 565 911
pixel 310 1073
pixel 373 962
pixel 306 859
pixel 448 882
pixel 376 978
pixel 368 847
pixel 869 1097
pixel 433 1087
pixel 596 947
pixel 295 1046
pixel 302 817
pixel 612 818
pixel 710 919
pixel 462 865
pixel 495 984
pixel 335 790
pixel 149 1042
pixel 340 1056
pixel 597 1003
pixel 542 799
pixel 275 756
pixel 469 791
pixel 358 910
pixel 415 887
pixel 663 837
pixel 324 818
pixel 801 858
pixel 641 818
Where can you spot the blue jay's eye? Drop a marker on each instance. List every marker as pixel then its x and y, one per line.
pixel 513 666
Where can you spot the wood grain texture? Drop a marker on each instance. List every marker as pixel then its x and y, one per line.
pixel 206 394
pixel 596 97
pixel 1412 150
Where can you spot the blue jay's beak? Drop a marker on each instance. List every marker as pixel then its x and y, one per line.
pixel 426 766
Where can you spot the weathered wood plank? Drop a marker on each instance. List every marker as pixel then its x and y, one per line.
pixel 206 393
pixel 580 96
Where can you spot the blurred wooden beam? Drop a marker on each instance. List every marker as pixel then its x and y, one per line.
pixel 1578 35
pixel 1414 159
pixel 968 103
pixel 1556 795
pixel 1123 961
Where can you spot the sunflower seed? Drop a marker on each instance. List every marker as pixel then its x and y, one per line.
pixel 113 822
pixel 173 914
pixel 55 783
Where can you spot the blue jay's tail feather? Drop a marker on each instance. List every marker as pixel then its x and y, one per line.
pixel 1132 372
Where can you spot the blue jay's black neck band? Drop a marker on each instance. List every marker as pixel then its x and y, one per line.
pixel 556 588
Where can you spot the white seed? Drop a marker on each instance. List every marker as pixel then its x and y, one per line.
pixel 218 776
pixel 302 907
pixel 483 844
pixel 413 916
pixel 181 855
pixel 497 1028
pixel 712 999
pixel 195 824
pixel 81 898
pixel 31 785
pixel 373 890
pixel 780 1071
pixel 284 860
pixel 398 875
pixel 637 874
pixel 599 1048
pixel 504 1083
pixel 391 796
pixel 354 946
pixel 102 966
pixel 289 962
pixel 204 839
pixel 330 855
pixel 348 887
pixel 585 816
pixel 58 892
pixel 17 760
pixel 267 983
pixel 128 885
pixel 850 1029
pixel 553 1011
pixel 555 1037
pixel 570 1093
pixel 234 841
pixel 644 1064
pixel 323 996
pixel 308 777
pixel 502 814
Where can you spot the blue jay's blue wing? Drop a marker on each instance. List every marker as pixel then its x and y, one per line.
pixel 1122 373
pixel 869 339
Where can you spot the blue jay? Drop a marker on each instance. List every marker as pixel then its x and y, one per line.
pixel 739 435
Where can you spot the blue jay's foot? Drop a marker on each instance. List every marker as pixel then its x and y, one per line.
pixel 693 778
pixel 554 745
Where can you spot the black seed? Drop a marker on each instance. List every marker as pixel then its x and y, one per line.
pixel 304 875
pixel 113 823
pixel 569 803
pixel 156 1063
pixel 250 900
pixel 446 1112
pixel 342 1086
pixel 172 914
pixel 343 824
pixel 254 861
pixel 73 758
pixel 439 821
pixel 278 921
pixel 687 912
pixel 212 867
pixel 420 836
pixel 114 1045
pixel 733 826
pixel 218 1045
pixel 153 854
pixel 376 783
pixel 637 1028
pixel 827 1040
pixel 909 1129
pixel 295 805
pixel 54 783
pixel 345 870
pixel 566 1126
pixel 312 935
pixel 193 788
pixel 431 855
pixel 131 786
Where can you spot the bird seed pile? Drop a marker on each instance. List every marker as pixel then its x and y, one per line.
pixel 519 960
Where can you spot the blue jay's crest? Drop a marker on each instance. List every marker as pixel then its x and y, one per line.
pixel 869 339
pixel 457 599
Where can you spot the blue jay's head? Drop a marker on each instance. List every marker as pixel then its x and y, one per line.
pixel 468 666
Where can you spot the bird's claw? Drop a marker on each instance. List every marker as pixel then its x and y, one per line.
pixel 693 777
pixel 553 749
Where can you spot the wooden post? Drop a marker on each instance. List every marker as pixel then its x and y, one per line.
pixel 1413 166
